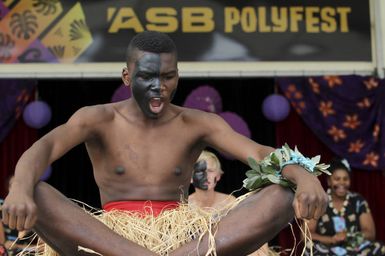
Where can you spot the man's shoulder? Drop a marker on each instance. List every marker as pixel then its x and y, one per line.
pixel 95 112
pixel 190 114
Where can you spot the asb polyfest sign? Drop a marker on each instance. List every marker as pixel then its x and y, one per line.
pixel 37 31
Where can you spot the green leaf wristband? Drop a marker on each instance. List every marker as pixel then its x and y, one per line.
pixel 268 171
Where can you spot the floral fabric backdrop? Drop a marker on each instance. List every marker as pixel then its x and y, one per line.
pixel 347 113
pixel 14 96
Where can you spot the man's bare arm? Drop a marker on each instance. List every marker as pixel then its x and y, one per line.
pixel 310 198
pixel 19 209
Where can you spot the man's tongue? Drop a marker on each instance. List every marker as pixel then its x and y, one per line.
pixel 156 105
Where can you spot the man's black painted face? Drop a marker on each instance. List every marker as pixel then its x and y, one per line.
pixel 151 70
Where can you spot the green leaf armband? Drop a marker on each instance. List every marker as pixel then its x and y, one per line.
pixel 268 170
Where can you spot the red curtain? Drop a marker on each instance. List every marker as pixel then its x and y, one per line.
pixel 370 184
pixel 19 139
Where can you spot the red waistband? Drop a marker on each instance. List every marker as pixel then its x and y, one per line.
pixel 144 207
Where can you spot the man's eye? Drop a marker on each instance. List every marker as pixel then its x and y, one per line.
pixel 168 77
pixel 144 76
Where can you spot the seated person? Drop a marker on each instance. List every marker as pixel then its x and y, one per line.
pixel 142 150
pixel 347 227
pixel 205 195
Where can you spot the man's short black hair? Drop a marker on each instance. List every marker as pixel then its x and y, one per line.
pixel 150 41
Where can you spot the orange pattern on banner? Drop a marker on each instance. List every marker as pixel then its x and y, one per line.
pixel 23 24
pixel 70 36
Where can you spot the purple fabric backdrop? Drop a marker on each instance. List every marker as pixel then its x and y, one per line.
pixel 14 95
pixel 347 113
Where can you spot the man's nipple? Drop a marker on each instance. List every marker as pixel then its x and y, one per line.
pixel 178 171
pixel 119 170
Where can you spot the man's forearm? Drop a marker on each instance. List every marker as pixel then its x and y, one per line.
pixel 31 166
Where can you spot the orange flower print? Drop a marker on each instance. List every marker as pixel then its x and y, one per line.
pixel 314 85
pixel 351 121
pixel 298 106
pixel 371 83
pixel 18 112
pixel 336 133
pixel 326 108
pixel 371 159
pixel 355 147
pixel 291 88
pixel 298 95
pixel 333 80
pixel 376 131
pixel 23 96
pixel 365 103
pixel 291 91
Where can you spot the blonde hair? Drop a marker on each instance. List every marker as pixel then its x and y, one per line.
pixel 205 155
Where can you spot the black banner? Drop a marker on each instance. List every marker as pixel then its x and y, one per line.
pixel 204 30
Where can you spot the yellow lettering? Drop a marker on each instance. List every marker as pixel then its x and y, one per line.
pixel 197 19
pixel 343 12
pixel 248 20
pixel 263 27
pixel 162 19
pixel 110 13
pixel 296 14
pixel 232 17
pixel 125 19
pixel 279 19
pixel 311 20
pixel 329 23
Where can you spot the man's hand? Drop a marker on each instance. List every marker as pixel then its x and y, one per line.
pixel 310 199
pixel 19 210
pixel 199 177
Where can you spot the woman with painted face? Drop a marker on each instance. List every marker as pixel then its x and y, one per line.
pixel 347 227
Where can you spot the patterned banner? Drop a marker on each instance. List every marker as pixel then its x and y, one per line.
pixel 23 24
pixel 70 36
pixel 204 30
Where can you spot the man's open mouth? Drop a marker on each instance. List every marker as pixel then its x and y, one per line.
pixel 156 105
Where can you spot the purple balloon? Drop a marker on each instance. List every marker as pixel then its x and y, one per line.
pixel 123 92
pixel 275 107
pixel 238 124
pixel 37 114
pixel 204 98
pixel 47 173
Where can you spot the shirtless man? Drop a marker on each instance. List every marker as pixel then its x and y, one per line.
pixel 143 149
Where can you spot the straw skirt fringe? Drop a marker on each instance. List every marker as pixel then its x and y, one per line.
pixel 162 234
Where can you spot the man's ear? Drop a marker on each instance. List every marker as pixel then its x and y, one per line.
pixel 126 78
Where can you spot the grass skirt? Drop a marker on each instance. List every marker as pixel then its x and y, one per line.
pixel 162 234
